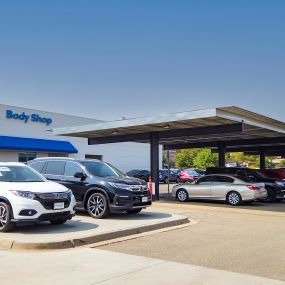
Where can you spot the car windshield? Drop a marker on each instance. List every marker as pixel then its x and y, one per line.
pixel 101 169
pixel 19 174
pixel 192 172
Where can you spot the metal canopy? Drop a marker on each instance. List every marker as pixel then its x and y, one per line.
pixel 218 128
pixel 201 127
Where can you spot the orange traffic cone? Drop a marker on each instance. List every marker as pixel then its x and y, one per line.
pixel 150 186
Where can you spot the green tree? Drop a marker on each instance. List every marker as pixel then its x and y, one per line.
pixel 205 158
pixel 195 158
pixel 184 158
pixel 281 163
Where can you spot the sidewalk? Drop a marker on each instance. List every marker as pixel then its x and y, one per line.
pixel 83 230
pixel 93 266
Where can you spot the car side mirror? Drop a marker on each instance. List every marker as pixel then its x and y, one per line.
pixel 80 175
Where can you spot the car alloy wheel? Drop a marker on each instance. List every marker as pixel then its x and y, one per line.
pixel 97 206
pixel 182 195
pixel 5 220
pixel 234 198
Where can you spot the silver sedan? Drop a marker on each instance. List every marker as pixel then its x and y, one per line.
pixel 227 188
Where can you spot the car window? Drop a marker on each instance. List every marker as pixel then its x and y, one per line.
pixel 207 180
pixel 225 179
pixel 101 169
pixel 38 166
pixel 19 174
pixel 271 174
pixel 55 167
pixel 71 168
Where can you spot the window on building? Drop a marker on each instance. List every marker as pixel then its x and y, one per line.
pixel 94 156
pixel 55 167
pixel 24 157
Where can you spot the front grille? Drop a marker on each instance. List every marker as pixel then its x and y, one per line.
pixel 46 217
pixel 48 199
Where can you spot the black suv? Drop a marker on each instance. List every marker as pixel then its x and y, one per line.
pixel 164 174
pixel 98 187
pixel 275 188
pixel 140 174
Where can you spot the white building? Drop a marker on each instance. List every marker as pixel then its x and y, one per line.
pixel 25 134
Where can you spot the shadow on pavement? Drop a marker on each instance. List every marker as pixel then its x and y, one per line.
pixel 143 215
pixel 47 228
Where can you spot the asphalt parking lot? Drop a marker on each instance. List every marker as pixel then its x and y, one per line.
pixel 246 239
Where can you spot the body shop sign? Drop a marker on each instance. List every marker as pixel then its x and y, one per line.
pixel 36 118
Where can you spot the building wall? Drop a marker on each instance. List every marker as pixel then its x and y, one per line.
pixel 125 156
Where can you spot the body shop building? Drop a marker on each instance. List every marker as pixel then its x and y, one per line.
pixel 26 134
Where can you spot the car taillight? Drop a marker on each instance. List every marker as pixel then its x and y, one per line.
pixel 253 187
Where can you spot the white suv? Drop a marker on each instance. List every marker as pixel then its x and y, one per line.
pixel 27 197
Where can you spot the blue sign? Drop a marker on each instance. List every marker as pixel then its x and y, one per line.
pixel 26 117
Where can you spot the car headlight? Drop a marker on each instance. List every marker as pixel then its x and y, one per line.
pixel 121 186
pixel 129 187
pixel 23 194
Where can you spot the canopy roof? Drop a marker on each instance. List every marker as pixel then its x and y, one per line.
pixel 232 126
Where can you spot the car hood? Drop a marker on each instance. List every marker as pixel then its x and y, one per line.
pixel 35 187
pixel 124 180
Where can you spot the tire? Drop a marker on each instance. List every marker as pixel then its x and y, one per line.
pixel 166 180
pixel 182 195
pixel 134 211
pixel 177 180
pixel 5 217
pixel 271 196
pixel 58 222
pixel 97 206
pixel 234 198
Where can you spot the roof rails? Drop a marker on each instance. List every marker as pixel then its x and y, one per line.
pixel 55 158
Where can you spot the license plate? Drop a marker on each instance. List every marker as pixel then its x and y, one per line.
pixel 59 205
pixel 144 199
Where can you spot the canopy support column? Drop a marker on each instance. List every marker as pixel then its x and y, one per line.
pixel 154 161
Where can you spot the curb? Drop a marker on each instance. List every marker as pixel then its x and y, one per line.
pixel 72 243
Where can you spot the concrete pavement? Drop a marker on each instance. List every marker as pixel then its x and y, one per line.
pixel 84 230
pixel 239 239
pixel 87 266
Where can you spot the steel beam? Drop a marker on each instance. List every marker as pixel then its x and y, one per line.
pixel 209 130
pixel 222 153
pixel 154 161
pixel 262 159
pixel 245 142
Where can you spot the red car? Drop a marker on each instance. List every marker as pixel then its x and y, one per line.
pixel 188 176
pixel 278 173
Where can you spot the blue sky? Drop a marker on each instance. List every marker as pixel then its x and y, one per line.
pixel 108 59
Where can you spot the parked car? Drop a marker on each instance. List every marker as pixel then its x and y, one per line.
pixel 140 174
pixel 227 188
pixel 98 187
pixel 27 197
pixel 276 173
pixel 188 176
pixel 175 170
pixel 166 174
pixel 275 188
